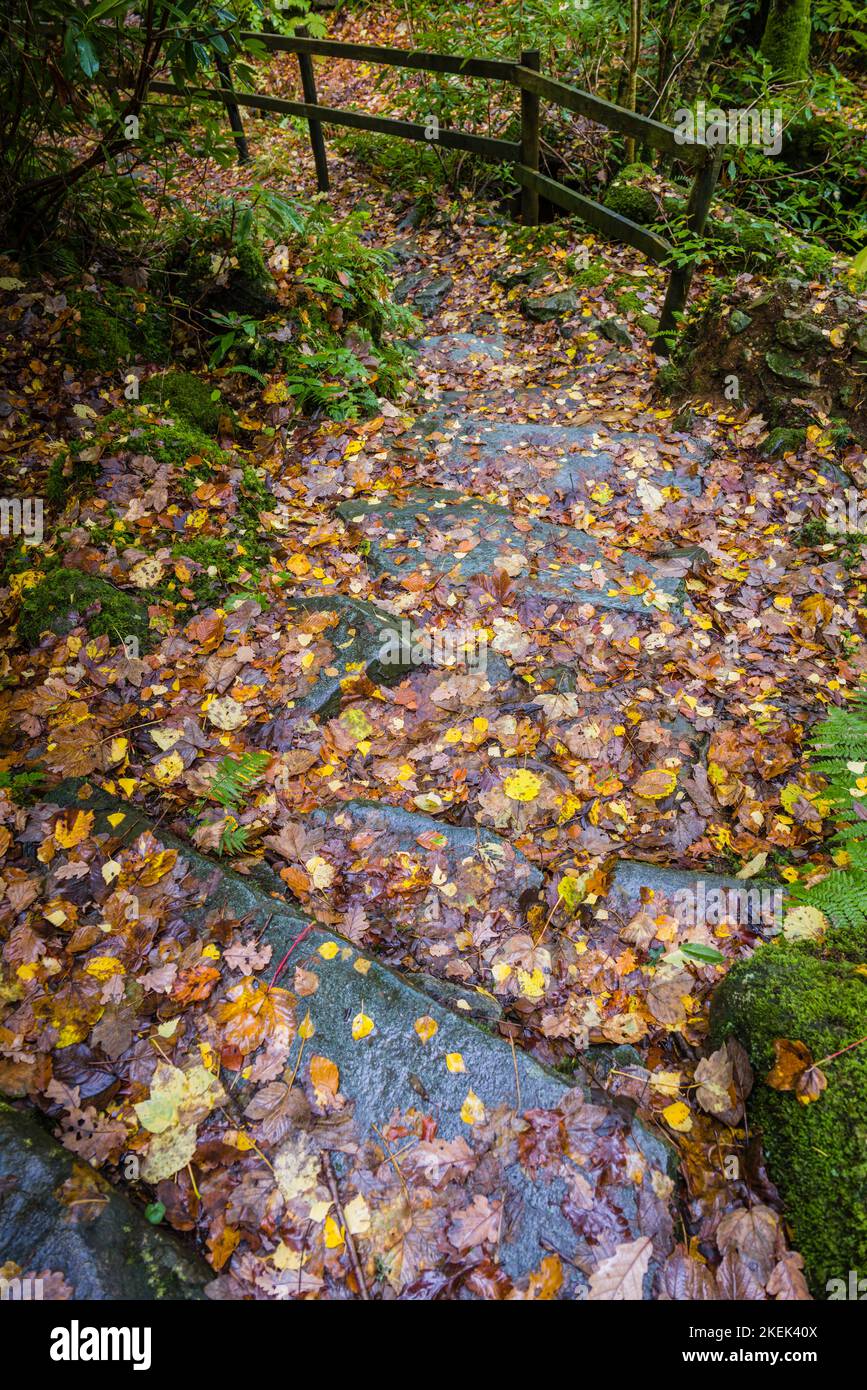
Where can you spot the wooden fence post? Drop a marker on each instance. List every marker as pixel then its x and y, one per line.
pixel 234 114
pixel 530 122
pixel 696 215
pixel 317 140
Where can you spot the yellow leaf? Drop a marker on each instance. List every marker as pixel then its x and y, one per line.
pixel 334 1234
pixel 655 784
pixel 298 565
pixel 804 923
pixel 455 1062
pixel 117 750
pixel 677 1115
pixel 522 786
pixel 472 1110
pixel 362 1026
pixel 426 1027
pixel 328 950
pixel 103 967
pixel 72 828
pixel 168 769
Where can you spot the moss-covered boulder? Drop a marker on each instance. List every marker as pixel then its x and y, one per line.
pixel 186 395
pixel 817 1153
pixel 798 353
pixel 66 598
pixel 631 200
pixel 113 326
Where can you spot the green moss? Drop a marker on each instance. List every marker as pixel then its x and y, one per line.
pixel 784 441
pixel 103 609
pixel 116 326
pixel 182 393
pixel 638 204
pixel 817 1153
pixel 670 380
pixel 592 275
pixel 24 788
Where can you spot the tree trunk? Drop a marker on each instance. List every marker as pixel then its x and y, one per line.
pixel 633 56
pixel 786 40
pixel 706 48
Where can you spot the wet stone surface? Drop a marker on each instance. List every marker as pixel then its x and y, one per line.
pixel 435 531
pixel 349 641
pixel 58 1216
pixel 554 457
pixel 392 1069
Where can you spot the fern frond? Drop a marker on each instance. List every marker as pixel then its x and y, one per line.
pixel 842 896
pixel 234 776
pixel 234 839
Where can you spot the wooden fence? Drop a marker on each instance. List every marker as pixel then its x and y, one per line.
pixel 523 155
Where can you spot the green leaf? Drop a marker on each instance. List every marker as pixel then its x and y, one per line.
pixel 86 56
pixel 708 955
pixel 154 1213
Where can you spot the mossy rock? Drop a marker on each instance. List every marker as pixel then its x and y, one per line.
pixel 784 441
pixel 115 326
pixel 590 276
pixel 628 200
pixel 817 1153
pixel 186 395
pixel 65 598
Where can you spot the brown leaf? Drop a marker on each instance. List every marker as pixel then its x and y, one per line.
pixel 755 1235
pixel 621 1275
pixel 477 1224
pixel 787 1282
pixel 792 1060
pixel 716 1091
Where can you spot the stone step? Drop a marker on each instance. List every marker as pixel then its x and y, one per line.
pixel 350 642
pixel 437 531
pixel 105 1251
pixel 541 456
pixel 443 880
pixel 458 349
pixel 612 1169
pixel 696 897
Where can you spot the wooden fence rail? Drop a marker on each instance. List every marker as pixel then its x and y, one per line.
pixel 523 155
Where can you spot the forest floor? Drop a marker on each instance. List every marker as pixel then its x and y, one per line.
pixel 641 641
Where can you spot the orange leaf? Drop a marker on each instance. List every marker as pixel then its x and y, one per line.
pixel 325 1075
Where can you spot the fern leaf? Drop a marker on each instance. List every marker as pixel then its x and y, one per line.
pixel 234 776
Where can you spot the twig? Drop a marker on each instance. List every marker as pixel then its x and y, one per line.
pixel 300 937
pixel 347 1234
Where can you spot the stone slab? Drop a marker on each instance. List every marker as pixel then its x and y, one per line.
pixel 112 1253
pixel 426 530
